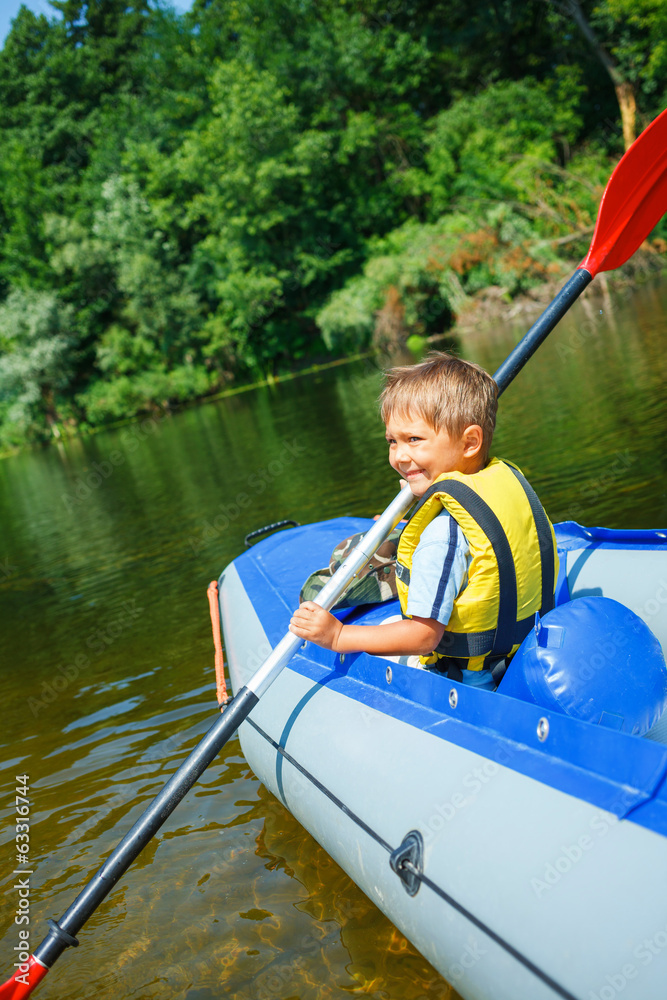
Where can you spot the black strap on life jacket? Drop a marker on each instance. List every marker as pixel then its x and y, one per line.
pixel 508 631
pixel 545 541
pixel 469 644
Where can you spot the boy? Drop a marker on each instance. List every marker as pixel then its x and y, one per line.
pixel 477 558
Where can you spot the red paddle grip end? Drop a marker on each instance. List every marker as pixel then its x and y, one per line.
pixel 24 980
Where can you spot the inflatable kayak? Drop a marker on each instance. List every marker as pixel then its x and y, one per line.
pixel 518 838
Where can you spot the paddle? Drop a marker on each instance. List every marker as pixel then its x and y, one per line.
pixel 634 201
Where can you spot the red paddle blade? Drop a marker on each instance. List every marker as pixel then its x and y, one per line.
pixel 23 981
pixel 634 200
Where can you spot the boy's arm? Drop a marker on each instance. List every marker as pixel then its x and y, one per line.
pixel 411 635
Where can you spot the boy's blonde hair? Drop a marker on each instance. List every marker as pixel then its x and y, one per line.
pixel 446 392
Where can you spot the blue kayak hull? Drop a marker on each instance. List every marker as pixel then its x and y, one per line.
pixel 544 859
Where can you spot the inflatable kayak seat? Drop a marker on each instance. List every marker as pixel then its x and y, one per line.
pixel 595 660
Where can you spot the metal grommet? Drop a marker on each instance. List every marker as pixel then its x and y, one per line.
pixel 304 644
pixel 388 675
pixel 342 657
pixel 542 729
pixel 453 698
pixel 407 861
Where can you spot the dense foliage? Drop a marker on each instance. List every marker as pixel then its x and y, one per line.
pixel 188 200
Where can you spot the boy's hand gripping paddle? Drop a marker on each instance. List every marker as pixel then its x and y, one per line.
pixel 634 201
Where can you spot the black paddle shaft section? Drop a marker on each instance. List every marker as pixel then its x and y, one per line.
pixel 541 329
pixel 62 933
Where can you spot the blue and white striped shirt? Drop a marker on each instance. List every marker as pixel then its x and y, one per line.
pixel 439 569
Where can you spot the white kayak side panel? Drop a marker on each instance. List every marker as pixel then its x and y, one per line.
pixel 576 892
pixel 636 578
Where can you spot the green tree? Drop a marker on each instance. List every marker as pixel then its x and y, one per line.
pixel 629 38
pixel 145 353
pixel 36 364
pixel 215 195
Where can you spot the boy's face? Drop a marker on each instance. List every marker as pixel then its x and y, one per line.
pixel 420 453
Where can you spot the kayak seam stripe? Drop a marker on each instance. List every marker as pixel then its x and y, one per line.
pixel 545 977
pixel 510 949
pixel 322 788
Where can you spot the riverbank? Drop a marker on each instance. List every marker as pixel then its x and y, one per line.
pixel 479 313
pixel 61 433
pixel 492 304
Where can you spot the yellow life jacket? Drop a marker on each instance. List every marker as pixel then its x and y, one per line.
pixel 512 574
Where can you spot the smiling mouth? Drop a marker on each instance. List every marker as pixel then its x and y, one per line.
pixel 413 474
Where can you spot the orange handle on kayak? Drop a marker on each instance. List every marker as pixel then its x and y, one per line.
pixel 214 606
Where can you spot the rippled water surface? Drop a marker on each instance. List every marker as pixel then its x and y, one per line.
pixel 107 681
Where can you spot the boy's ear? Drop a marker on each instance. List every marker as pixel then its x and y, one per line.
pixel 473 439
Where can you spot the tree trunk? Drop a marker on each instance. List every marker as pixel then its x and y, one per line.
pixel 625 91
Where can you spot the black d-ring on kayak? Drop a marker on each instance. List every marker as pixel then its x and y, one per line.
pixel 268 528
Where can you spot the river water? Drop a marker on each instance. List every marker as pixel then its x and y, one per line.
pixel 108 544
